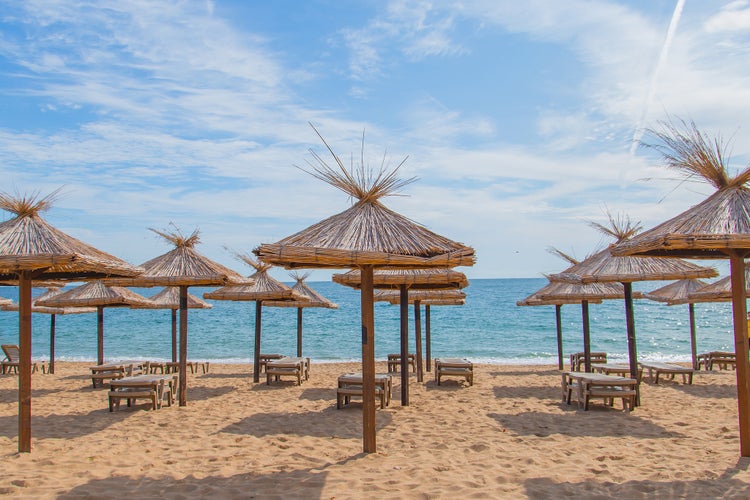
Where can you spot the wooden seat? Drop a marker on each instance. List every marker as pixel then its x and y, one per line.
pixel 394 362
pixel 723 360
pixel 344 395
pixel 287 366
pixel 265 358
pixel 152 394
pixel 655 369
pixel 578 359
pixel 454 367
pixel 13 359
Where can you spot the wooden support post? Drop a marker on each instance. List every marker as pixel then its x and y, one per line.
pixel 427 339
pixel 404 306
pixel 693 343
pixel 418 339
pixel 174 335
pixel 299 332
pixel 100 335
pixel 368 360
pixel 739 315
pixel 183 345
pixel 630 323
pixel 53 318
pixel 586 336
pixel 558 319
pixel 256 350
pixel 24 363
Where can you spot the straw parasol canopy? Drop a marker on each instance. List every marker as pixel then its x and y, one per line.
pixel 716 228
pixel 33 250
pixel 718 291
pixel 100 295
pixel 367 235
pixel 53 312
pixel 169 298
pixel 406 281
pixel 680 292
pixel 314 299
pixel 558 293
pixel 603 266
pixel 183 267
pixel 263 287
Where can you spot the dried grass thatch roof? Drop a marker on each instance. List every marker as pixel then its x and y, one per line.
pixel 169 298
pixel 431 297
pixel 182 266
pixel 368 233
pixel 719 223
pixel 95 294
pixel 51 292
pixel 720 290
pixel 28 242
pixel 676 293
pixel 433 278
pixel 560 293
pixel 263 287
pixel 314 299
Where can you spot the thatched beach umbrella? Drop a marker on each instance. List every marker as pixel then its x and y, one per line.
pixel 720 290
pixel 680 292
pixel 604 267
pixel 716 228
pixel 406 280
pixel 366 236
pixel 558 294
pixel 426 298
pixel 53 312
pixel 183 267
pixel 31 250
pixel 312 299
pixel 263 287
pixel 169 298
pixel 100 295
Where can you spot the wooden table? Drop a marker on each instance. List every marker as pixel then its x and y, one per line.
pixel 620 369
pixel 598 385
pixel 265 358
pixel 153 387
pixel 350 384
pixel 294 366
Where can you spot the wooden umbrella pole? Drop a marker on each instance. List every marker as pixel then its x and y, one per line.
pixel 404 306
pixel 299 332
pixel 630 324
pixel 24 363
pixel 368 360
pixel 99 335
pixel 256 349
pixel 586 336
pixel 418 339
pixel 693 343
pixel 183 344
pixel 174 335
pixel 53 318
pixel 739 314
pixel 427 339
pixel 558 318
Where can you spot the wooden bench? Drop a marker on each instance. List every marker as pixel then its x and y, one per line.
pixel 454 367
pixel 288 366
pixel 723 360
pixel 264 359
pixel 344 395
pixel 394 362
pixel 656 368
pixel 156 388
pixel 595 385
pixel 578 359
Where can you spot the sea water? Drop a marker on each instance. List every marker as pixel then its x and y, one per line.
pixel 489 328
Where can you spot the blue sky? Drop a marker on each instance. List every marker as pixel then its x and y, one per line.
pixel 517 117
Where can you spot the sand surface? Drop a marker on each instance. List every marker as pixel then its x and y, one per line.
pixel 508 436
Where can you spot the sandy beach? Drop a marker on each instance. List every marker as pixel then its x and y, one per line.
pixel 509 435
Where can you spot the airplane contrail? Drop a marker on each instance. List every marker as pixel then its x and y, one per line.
pixel 638 132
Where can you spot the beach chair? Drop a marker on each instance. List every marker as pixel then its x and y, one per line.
pixel 394 362
pixel 577 359
pixel 12 359
pixel 454 367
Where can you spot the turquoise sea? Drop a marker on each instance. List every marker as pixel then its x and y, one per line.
pixel 488 328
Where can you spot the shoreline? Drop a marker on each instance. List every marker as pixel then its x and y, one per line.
pixel 507 435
